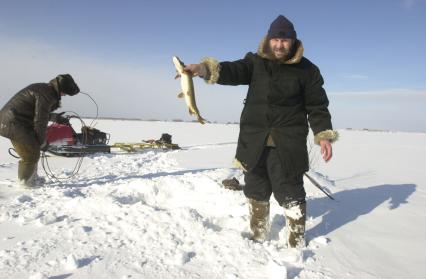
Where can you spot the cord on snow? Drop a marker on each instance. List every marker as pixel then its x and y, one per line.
pixel 44 158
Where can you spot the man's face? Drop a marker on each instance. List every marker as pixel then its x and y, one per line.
pixel 280 47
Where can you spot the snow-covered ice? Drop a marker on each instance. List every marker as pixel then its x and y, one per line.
pixel 159 214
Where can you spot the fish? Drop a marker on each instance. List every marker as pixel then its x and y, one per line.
pixel 187 86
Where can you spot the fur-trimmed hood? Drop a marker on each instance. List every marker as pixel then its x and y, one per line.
pixel 213 66
pixel 264 52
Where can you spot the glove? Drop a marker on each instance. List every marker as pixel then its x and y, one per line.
pixel 44 146
pixel 58 118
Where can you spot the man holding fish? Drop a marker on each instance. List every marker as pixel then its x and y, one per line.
pixel 285 94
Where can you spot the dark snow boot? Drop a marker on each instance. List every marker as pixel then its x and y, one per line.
pixel 259 219
pixel 295 216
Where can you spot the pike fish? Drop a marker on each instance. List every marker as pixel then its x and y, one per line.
pixel 187 86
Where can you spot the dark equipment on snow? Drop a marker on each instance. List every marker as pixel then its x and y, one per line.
pixel 232 184
pixel 92 136
pixel 166 138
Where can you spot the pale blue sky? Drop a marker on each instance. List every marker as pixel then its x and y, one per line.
pixel 124 48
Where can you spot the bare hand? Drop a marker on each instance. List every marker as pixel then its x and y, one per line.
pixel 326 150
pixel 195 69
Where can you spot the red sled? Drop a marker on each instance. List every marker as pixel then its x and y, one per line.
pixel 64 141
pixel 60 134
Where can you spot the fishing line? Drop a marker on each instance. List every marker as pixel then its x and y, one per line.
pixel 74 172
pixel 97 109
pixel 46 166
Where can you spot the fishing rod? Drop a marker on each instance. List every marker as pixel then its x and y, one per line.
pixel 316 184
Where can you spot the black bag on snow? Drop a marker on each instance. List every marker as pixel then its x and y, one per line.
pixel 92 136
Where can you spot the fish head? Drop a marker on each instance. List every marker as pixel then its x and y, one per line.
pixel 178 64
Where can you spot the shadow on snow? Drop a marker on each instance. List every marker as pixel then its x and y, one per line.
pixel 350 205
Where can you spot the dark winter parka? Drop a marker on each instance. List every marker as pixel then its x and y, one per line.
pixel 25 117
pixel 283 96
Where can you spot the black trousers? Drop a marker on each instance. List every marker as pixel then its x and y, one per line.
pixel 268 177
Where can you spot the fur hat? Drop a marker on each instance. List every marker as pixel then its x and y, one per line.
pixel 67 85
pixel 282 28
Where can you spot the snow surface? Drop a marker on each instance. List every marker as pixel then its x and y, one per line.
pixel 161 214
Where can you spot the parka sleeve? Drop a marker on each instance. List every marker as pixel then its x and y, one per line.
pixel 41 116
pixel 237 72
pixel 316 104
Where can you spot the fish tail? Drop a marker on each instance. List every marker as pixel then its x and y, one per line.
pixel 201 120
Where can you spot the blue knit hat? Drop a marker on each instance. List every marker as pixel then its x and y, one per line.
pixel 282 28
